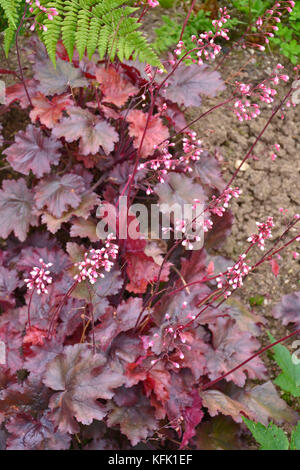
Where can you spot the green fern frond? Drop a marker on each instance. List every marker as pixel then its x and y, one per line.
pixel 82 32
pixel 108 26
pixel 52 36
pixel 88 25
pixel 13 12
pixel 9 7
pixel 103 41
pixel 9 36
pixel 104 7
pixel 69 27
pixel 94 37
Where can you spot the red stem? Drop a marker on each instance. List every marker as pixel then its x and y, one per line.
pixel 187 19
pixel 278 107
pixel 214 382
pixel 29 306
pixel 56 314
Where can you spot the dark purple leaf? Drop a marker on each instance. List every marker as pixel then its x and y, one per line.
pixel 113 322
pixel 3 437
pixel 92 132
pixel 178 189
pixel 192 417
pixel 175 117
pixel 60 79
pixel 58 193
pixel 123 354
pixel 80 378
pixel 9 281
pixel 181 395
pixel 288 310
pixel 231 347
pixel 30 398
pixel 194 350
pixel 11 336
pixel 30 257
pixel 41 355
pixel 27 433
pixel 33 151
pixel 216 237
pixel 208 170
pixel 187 83
pixel 16 209
pixel 122 171
pixel 137 422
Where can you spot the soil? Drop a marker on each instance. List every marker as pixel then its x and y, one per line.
pixel 267 185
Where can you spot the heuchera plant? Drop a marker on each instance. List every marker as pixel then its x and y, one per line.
pixel 109 343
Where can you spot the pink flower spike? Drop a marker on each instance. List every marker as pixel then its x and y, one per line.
pixel 40 278
pixel 153 3
pixel 97 261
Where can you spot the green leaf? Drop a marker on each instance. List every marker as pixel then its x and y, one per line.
pixel 289 379
pixel 269 438
pixel 256 300
pixel 295 438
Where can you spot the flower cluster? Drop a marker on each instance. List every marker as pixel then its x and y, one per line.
pixel 234 276
pixel 274 155
pixel 264 233
pixel 268 22
pixel 40 278
pixel 192 148
pixel 153 3
pixel 244 109
pixel 97 260
pixel 50 12
pixel 162 164
pixel 165 162
pixel 205 44
pixel 222 202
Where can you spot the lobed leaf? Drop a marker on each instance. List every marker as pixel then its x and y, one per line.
pixel 59 193
pixel 33 151
pixel 16 209
pixel 80 378
pixel 92 132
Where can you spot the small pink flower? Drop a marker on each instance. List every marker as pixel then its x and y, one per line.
pixel 264 233
pixel 153 3
pixel 40 278
pixel 97 261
